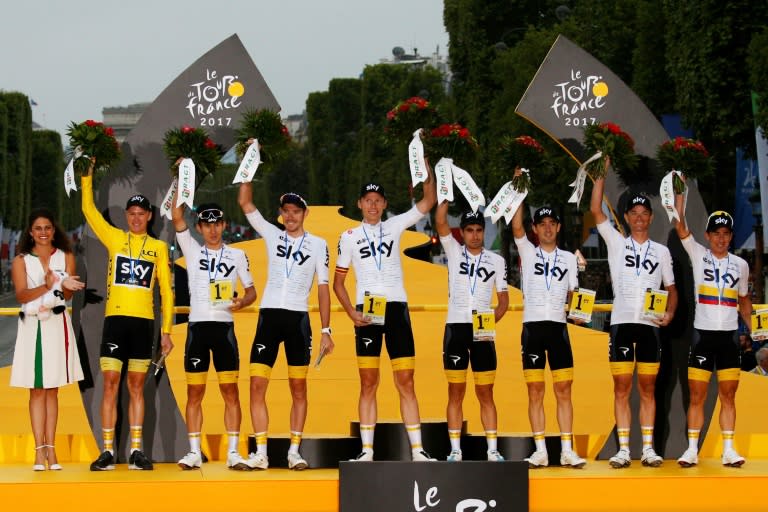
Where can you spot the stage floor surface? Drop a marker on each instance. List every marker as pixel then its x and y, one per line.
pixel 709 486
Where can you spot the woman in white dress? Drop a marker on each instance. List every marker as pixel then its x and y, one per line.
pixel 45 356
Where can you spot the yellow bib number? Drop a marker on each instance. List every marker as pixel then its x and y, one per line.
pixel 374 308
pixel 760 324
pixel 483 326
pixel 582 303
pixel 220 293
pixel 655 303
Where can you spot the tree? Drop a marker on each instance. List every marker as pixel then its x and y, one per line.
pixel 757 62
pixel 707 62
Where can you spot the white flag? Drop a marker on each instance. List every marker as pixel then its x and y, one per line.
pixel 667 194
pixel 186 183
pixel 416 159
pixel 505 203
pixel 165 206
pixel 581 177
pixel 249 164
pixel 69 172
pixel 468 187
pixel 444 177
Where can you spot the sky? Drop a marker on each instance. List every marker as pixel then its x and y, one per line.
pixel 74 58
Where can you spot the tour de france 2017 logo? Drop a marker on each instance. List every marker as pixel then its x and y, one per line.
pixel 213 101
pixel 577 100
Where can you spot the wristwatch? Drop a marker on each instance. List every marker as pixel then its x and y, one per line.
pixel 325 330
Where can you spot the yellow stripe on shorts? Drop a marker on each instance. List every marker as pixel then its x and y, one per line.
pixel 403 363
pixel 484 378
pixel 297 372
pixel 260 370
pixel 456 376
pixel 729 374
pixel 699 375
pixel 197 378
pixel 368 362
pixel 647 368
pixel 228 377
pixel 562 375
pixel 536 375
pixel 138 365
pixel 622 368
pixel 110 364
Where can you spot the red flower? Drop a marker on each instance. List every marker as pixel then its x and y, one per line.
pixel 613 128
pixel 463 133
pixel 210 144
pixel 187 129
pixel 404 107
pixel 390 115
pixel 109 131
pixel 91 123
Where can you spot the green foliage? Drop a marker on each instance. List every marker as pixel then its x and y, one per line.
pixel 18 168
pixel 757 62
pixel 47 166
pixel 193 143
pixel 614 144
pixel 707 45
pixel 92 140
pixel 268 128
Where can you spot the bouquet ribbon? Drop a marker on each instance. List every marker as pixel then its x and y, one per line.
pixel 444 177
pixel 468 188
pixel 447 174
pixel 165 206
pixel 581 177
pixel 69 172
pixel 186 183
pixel 249 164
pixel 505 203
pixel 416 159
pixel 667 194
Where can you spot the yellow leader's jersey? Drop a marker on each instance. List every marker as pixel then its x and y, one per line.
pixel 135 262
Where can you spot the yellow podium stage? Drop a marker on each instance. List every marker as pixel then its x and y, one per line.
pixel 333 393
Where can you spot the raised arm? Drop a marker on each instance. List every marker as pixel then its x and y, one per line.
pixel 681 226
pixel 518 231
pixel 430 191
pixel 93 216
pixel 245 198
pixel 441 219
pixel 177 214
pixel 596 201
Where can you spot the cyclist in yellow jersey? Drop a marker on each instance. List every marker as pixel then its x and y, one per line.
pixel 136 262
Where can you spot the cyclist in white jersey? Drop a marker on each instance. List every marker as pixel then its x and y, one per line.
pixel 722 294
pixel 373 249
pixel 295 257
pixel 213 270
pixel 638 268
pixel 473 275
pixel 548 276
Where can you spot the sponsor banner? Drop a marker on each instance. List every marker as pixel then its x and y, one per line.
pixel 572 90
pixel 433 486
pixel 747 176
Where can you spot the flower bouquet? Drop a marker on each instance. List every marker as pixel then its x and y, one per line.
pixel 192 143
pixel 524 152
pixel 687 156
pixel 266 127
pixel 92 139
pixel 614 144
pixel 407 117
pixel 453 141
